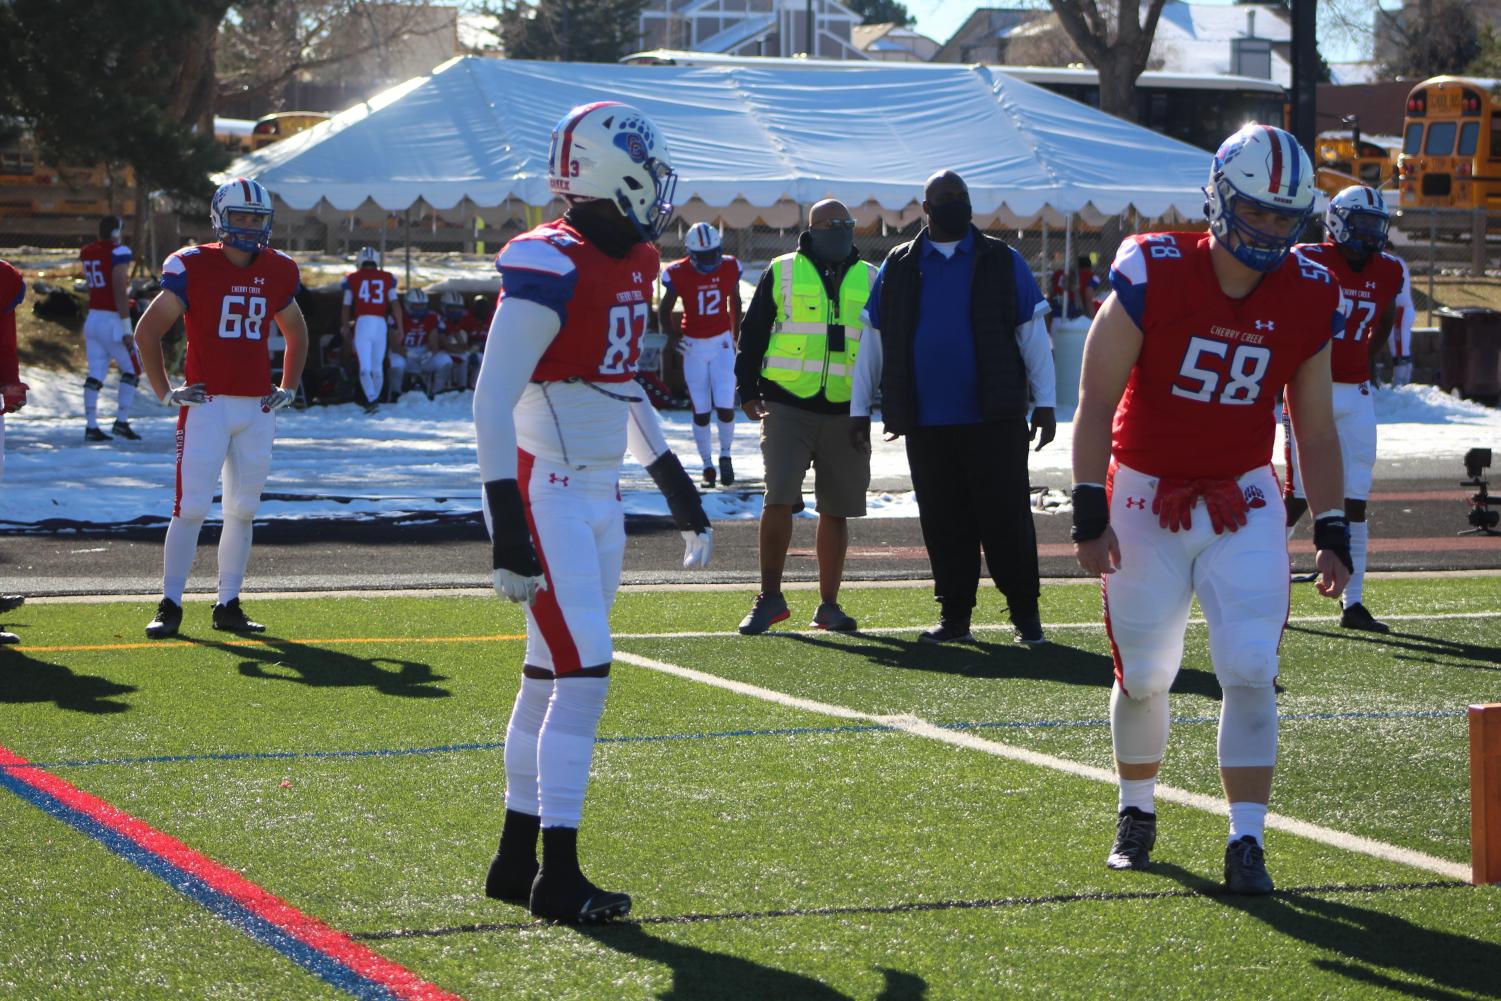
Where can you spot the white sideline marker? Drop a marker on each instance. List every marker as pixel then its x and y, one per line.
pixel 922 728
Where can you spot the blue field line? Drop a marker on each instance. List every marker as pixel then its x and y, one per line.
pixel 789 731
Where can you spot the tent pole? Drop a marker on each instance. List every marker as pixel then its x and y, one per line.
pixel 1046 262
pixel 1068 261
pixel 384 225
pixel 409 246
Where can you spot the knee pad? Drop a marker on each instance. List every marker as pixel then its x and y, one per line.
pixel 1248 727
pixel 726 414
pixel 129 379
pixel 702 420
pixel 1249 660
pixel 92 383
pixel 576 706
pixel 1148 681
pixel 240 506
pixel 1138 727
pixel 193 506
pixel 1354 509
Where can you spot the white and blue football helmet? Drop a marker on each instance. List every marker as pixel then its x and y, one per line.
pixel 1260 166
pixel 1357 219
pixel 613 151
pixel 242 195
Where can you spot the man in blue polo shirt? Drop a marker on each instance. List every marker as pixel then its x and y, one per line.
pixel 957 343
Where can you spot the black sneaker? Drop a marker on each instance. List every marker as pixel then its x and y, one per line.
pixel 947 631
pixel 511 883
pixel 708 476
pixel 1028 626
pixel 230 617
pixel 767 609
pixel 168 619
pixel 371 408
pixel 1356 616
pixel 1245 867
pixel 574 899
pixel 11 602
pixel 831 617
pixel 122 429
pixel 726 470
pixel 1135 836
pixel 6 639
pixel 94 434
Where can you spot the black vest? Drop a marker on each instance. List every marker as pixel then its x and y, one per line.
pixel 1002 371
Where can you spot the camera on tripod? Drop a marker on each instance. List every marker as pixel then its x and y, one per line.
pixel 1483 520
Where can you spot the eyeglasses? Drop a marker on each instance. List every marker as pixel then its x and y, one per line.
pixel 834 224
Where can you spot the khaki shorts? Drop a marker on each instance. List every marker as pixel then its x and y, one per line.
pixel 794 439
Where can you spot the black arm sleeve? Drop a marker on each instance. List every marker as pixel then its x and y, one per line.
pixel 755 336
pixel 510 537
pixel 683 501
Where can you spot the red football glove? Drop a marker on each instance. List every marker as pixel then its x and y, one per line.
pixel 1223 499
pixel 14 396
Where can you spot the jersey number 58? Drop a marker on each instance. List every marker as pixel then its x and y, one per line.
pixel 1246 367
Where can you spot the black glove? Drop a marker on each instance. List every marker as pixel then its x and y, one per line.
pixel 1091 513
pixel 1332 533
pixel 683 499
pixel 1044 426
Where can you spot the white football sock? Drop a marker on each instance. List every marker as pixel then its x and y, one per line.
pixel 1247 818
pixel 177 555
pixel 1140 793
pixel 91 406
pixel 701 439
pixel 726 436
pixel 126 398
pixel 521 744
pixel 565 747
pixel 234 557
pixel 1360 539
pixel 370 384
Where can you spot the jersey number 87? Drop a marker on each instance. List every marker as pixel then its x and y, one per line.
pixel 627 327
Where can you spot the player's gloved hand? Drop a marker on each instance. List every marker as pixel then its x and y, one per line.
pixel 13 397
pixel 186 396
pixel 1044 426
pixel 278 398
pixel 697 548
pixel 515 570
pixel 1226 503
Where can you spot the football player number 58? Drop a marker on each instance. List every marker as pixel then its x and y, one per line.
pixel 1245 369
pixel 242 316
pixel 627 326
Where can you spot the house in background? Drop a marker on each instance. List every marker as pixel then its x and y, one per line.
pixel 750 27
pixel 893 43
pixel 983 36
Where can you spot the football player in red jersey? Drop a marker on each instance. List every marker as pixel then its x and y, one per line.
pixel 421 348
pixel 12 390
pixel 369 297
pixel 708 283
pixel 1377 293
pixel 459 329
pixel 1174 494
pixel 227 294
pixel 555 408
pixel 106 330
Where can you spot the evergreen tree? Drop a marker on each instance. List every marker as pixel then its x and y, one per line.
pixel 881 11
pixel 586 31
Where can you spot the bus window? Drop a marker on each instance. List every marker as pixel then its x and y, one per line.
pixel 1440 139
pixel 1496 135
pixel 1412 142
pixel 1469 135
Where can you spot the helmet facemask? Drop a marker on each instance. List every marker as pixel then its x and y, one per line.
pixel 1361 232
pixel 1258 249
pixel 247 197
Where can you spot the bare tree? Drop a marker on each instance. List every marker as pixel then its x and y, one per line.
pixel 1043 42
pixel 1116 39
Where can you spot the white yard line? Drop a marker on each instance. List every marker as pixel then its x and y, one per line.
pixel 922 728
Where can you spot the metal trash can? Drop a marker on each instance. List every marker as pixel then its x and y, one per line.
pixel 1470 351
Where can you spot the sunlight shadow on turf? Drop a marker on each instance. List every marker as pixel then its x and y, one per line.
pixel 1482 658
pixel 703 975
pixel 1051 662
pixel 320 667
pixel 23 678
pixel 1383 941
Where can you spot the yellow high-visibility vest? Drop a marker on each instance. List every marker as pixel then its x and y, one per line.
pixel 798 357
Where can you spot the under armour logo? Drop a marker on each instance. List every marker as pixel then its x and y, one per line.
pixel 555 478
pixel 636 277
pixel 1265 325
pixel 1137 502
pixel 1254 496
pixel 260 281
pixel 1370 284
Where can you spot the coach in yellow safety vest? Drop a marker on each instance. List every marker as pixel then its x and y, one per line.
pixel 798 345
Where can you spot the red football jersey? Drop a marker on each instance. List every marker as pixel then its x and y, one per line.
pixel 12 291
pixel 707 303
pixel 1369 293
pixel 369 291
pixel 99 261
pixel 229 315
pixel 414 329
pixel 1200 399
pixel 603 317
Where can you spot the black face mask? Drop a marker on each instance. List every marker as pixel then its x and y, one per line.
pixel 831 245
pixel 951 217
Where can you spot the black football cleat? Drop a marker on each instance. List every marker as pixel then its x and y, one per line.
pixel 1135 836
pixel 1028 628
pixel 230 617
pixel 1245 867
pixel 947 631
pixel 708 476
pixel 726 470
pixel 11 602
pixel 122 429
pixel 168 620
pixel 6 639
pixel 510 883
pixel 94 434
pixel 574 899
pixel 1357 616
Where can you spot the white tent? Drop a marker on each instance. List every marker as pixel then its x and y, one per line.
pixel 750 142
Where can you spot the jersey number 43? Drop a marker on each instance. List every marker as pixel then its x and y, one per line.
pixel 1241 375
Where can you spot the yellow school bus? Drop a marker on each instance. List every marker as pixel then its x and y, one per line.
pixel 278 126
pixel 1451 145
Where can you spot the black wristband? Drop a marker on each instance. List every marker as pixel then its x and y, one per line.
pixel 1091 513
pixel 683 499
pixel 1332 533
pixel 509 533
